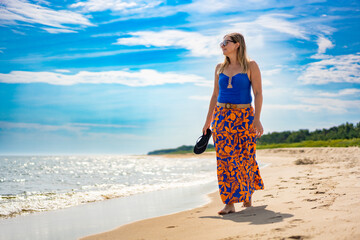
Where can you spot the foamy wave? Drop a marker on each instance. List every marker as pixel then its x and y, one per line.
pixel 41 183
pixel 29 202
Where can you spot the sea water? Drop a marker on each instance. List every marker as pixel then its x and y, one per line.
pixel 40 183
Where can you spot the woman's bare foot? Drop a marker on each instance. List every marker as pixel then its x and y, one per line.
pixel 247 204
pixel 229 208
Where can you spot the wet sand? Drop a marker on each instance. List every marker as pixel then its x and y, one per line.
pixel 310 193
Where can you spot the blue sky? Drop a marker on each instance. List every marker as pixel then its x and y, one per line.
pixel 129 77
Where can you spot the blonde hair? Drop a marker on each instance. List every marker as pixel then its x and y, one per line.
pixel 242 56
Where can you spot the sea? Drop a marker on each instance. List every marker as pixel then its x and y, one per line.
pixel 40 183
pixel 31 184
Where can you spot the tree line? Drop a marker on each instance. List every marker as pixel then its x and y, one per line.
pixel 343 131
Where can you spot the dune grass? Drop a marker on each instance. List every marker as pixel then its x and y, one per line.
pixel 319 143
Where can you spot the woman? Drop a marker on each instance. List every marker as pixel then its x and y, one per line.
pixel 235 125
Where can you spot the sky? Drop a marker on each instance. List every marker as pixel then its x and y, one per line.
pixel 130 77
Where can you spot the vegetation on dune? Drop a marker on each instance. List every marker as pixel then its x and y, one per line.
pixel 344 135
pixel 344 131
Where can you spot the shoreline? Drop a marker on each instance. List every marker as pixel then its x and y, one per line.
pixel 23 194
pixel 308 193
pixel 91 218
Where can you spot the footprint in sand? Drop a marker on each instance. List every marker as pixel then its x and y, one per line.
pixel 310 200
pixel 278 229
pixel 322 206
pixel 297 237
pixel 310 188
pixel 269 195
pixel 171 226
pixel 293 208
pixel 296 220
pixel 322 178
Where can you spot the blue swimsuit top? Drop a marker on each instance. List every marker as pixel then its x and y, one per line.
pixel 240 91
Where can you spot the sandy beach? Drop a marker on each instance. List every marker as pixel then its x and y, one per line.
pixel 310 193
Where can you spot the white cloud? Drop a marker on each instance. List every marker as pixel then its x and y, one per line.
pixel 296 107
pixel 342 68
pixel 100 5
pixel 266 82
pixel 213 6
pixel 42 127
pixel 197 8
pixel 324 44
pixel 73 127
pixel 201 45
pixel 104 125
pixel 14 11
pixel 30 59
pixel 115 5
pixel 62 70
pixel 332 104
pixel 80 129
pixel 209 6
pixel 304 100
pixel 336 106
pixel 271 72
pixel 265 28
pixel 196 43
pixel 266 75
pixel 144 77
pixel 343 92
pixel 278 23
pixel 126 137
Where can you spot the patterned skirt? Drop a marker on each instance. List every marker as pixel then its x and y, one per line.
pixel 235 144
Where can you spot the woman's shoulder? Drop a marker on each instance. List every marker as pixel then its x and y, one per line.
pixel 217 68
pixel 252 63
pixel 253 68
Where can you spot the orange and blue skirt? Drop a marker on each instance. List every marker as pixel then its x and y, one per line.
pixel 235 144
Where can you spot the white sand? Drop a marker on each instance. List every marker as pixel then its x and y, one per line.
pixel 317 200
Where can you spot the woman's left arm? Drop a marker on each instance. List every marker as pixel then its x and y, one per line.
pixel 255 76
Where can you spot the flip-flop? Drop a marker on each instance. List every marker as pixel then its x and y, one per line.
pixel 202 142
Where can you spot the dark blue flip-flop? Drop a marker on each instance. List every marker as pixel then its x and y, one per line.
pixel 202 142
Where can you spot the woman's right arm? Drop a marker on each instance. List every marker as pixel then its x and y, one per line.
pixel 213 101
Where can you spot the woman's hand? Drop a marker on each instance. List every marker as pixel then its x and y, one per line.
pixel 206 126
pixel 258 128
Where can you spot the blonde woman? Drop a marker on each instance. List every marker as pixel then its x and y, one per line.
pixel 235 125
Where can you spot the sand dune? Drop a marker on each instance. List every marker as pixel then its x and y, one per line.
pixel 310 193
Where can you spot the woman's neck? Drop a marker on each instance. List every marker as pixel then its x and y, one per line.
pixel 233 60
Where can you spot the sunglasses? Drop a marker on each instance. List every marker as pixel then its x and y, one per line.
pixel 225 42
